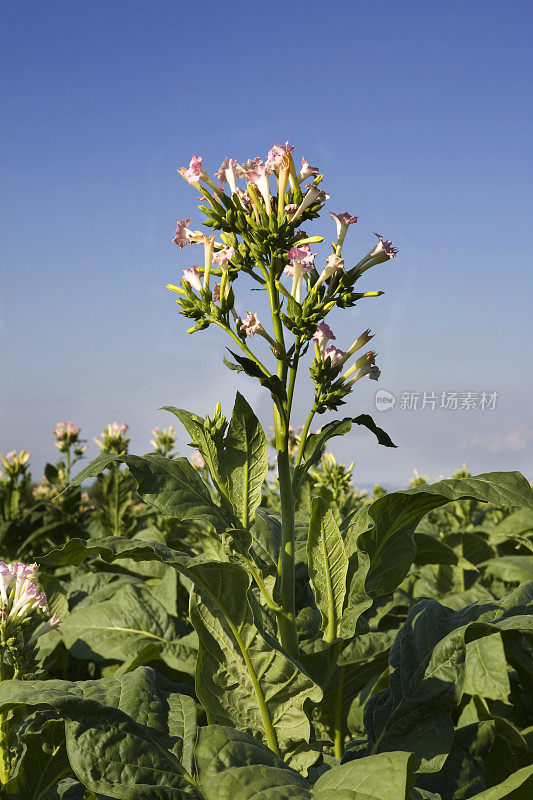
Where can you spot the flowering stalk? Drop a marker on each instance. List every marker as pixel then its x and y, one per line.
pixel 260 239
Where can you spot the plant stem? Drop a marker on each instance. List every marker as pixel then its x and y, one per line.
pixel 338 739
pixel 303 437
pixel 286 619
pixel 5 766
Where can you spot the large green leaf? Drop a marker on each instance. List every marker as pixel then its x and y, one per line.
pixel 120 626
pixel 232 765
pixel 386 776
pixel 328 567
pixel 518 786
pixel 119 733
pixel 385 528
pixel 428 670
pixel 246 461
pixel 511 568
pixel 243 678
pixel 172 486
pixel 486 671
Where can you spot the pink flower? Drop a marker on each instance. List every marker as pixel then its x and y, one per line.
pixel 229 171
pixel 50 625
pixel 333 264
pixel 276 155
pixel 322 336
pixel 195 171
pixel 384 247
pixel 251 164
pixel 307 171
pixel 180 237
pixel 343 221
pixel 313 195
pixel 222 257
pixel 251 324
pixel 302 255
pixel 333 353
pixel 192 277
pixel 259 177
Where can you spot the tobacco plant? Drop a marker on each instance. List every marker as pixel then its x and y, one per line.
pixel 320 667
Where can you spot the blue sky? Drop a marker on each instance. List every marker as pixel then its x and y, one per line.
pixel 419 115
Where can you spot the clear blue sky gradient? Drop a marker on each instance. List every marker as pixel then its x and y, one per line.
pixel 418 113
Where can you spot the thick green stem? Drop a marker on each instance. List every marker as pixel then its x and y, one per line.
pixel 286 620
pixel 338 738
pixel 5 766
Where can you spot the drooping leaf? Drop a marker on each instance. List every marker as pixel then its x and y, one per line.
pixel 316 442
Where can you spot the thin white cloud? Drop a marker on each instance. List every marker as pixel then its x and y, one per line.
pixel 508 442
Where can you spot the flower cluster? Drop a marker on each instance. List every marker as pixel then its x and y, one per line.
pixel 113 439
pixel 20 598
pixel 68 434
pixel 258 207
pixel 15 464
pixel 164 440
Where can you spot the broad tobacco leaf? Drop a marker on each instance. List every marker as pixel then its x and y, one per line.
pixel 243 678
pixel 172 486
pixel 122 739
pixel 246 461
pixel 122 625
pixel 385 530
pixel 429 671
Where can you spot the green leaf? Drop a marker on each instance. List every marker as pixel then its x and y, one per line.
pixel 246 461
pixel 316 442
pixel 122 625
pixel 427 673
pixel 202 440
pixel 518 786
pixel 385 528
pixel 243 679
pixel 328 567
pixel 110 751
pixel 232 764
pixel 430 550
pixel 386 776
pixel 172 486
pixel 511 568
pixel 486 669
pixel 42 763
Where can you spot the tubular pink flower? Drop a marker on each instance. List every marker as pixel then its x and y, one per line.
pixel 302 255
pixel 276 155
pixel 313 195
pixel 322 336
pixel 251 164
pixel 180 237
pixel 307 171
pixel 365 337
pixel 192 277
pixel 195 171
pixel 333 353
pixel 383 247
pixel 50 625
pixel 229 171
pixel 259 177
pixel 343 221
pixel 7 576
pixel 222 257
